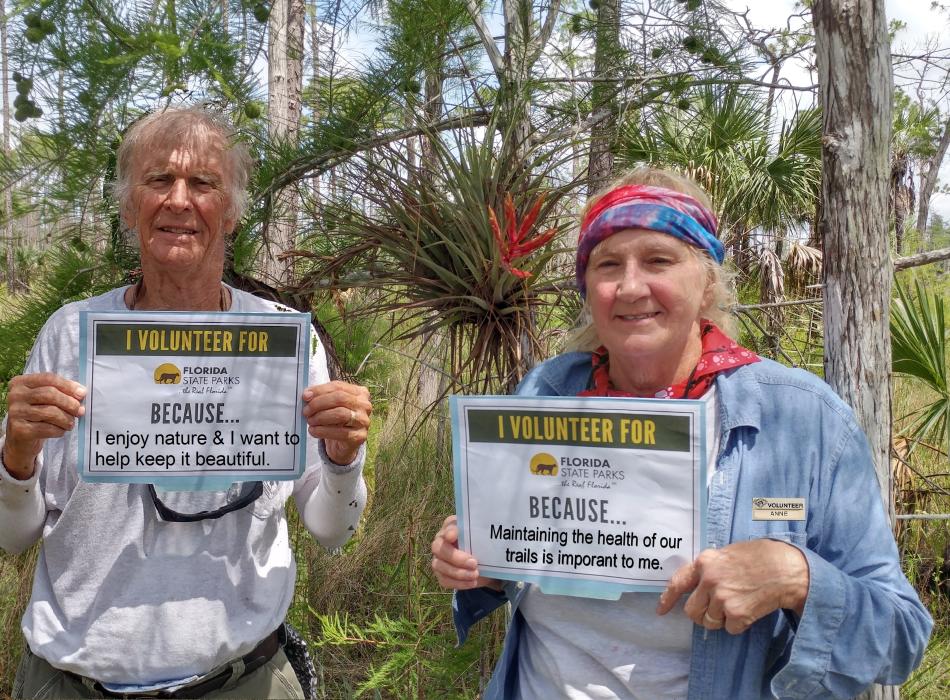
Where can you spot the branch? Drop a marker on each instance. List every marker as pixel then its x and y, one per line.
pixel 705 81
pixel 316 165
pixel 929 179
pixel 572 132
pixel 931 256
pixel 488 41
pixel 544 35
pixel 774 304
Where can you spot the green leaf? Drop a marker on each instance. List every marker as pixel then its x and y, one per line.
pixel 919 350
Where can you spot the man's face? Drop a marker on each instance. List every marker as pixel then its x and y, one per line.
pixel 179 207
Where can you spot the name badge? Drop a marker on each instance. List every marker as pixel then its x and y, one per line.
pixel 778 508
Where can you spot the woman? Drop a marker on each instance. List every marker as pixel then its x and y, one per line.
pixel 774 608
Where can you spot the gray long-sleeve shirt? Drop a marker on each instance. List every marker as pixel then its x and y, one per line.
pixel 120 595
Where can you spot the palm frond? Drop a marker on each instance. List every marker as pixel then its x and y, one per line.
pixel 919 347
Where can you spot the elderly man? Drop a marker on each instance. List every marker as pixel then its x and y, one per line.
pixel 126 601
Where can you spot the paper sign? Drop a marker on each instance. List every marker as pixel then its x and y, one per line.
pixel 177 398
pixel 584 496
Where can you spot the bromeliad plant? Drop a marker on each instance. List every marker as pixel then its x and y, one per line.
pixel 427 242
pixel 515 243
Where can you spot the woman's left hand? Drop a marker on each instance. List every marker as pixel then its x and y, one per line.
pixel 339 413
pixel 734 586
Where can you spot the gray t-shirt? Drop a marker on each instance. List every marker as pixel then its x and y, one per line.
pixel 120 595
pixel 587 649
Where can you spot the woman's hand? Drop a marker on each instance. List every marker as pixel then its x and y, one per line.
pixel 734 586
pixel 41 406
pixel 454 568
pixel 339 413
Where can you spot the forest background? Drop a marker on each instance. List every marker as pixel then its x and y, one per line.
pixel 370 208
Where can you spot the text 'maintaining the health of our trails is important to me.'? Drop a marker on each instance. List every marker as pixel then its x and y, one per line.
pixel 584 496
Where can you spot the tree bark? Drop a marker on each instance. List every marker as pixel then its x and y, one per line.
pixel 600 164
pixel 854 69
pixel 431 385
pixel 285 84
pixel 928 183
pixel 8 228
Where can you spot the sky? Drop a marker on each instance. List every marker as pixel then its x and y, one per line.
pixel 924 26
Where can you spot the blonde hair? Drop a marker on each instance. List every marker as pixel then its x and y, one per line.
pixel 722 297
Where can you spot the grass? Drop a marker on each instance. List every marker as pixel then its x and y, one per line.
pixel 380 625
pixel 931 680
pixel 923 486
pixel 16 582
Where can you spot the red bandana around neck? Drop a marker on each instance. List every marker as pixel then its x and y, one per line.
pixel 719 353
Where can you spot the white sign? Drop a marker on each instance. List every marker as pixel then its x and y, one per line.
pixel 584 496
pixel 205 396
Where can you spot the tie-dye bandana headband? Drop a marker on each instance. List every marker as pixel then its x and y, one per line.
pixel 652 208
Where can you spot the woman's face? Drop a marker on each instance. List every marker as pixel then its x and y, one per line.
pixel 646 291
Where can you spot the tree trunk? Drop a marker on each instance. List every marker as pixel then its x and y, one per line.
pixel 928 182
pixel 431 384
pixel 315 39
pixel 8 228
pixel 854 75
pixel 433 106
pixel 606 54
pixel 285 84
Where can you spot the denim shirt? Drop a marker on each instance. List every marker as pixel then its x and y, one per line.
pixel 785 434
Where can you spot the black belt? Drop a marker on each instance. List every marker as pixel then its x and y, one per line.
pixel 253 660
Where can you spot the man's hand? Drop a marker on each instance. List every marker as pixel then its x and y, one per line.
pixel 734 586
pixel 41 406
pixel 455 568
pixel 340 414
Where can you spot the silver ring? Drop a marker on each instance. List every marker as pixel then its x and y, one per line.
pixel 352 421
pixel 709 619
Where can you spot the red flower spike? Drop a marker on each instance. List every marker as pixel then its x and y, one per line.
pixel 530 218
pixel 514 243
pixel 493 222
pixel 520 251
pixel 511 219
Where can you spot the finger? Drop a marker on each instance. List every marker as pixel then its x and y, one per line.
pixel 714 616
pixel 458 562
pixel 41 379
pixel 22 396
pixel 336 385
pixel 737 625
pixel 320 397
pixel 352 437
pixel 711 620
pixel 24 419
pixel 685 579
pixel 356 412
pixel 697 604
pixel 341 416
pixel 453 577
pixel 27 431
pixel 453 567
pixel 448 535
